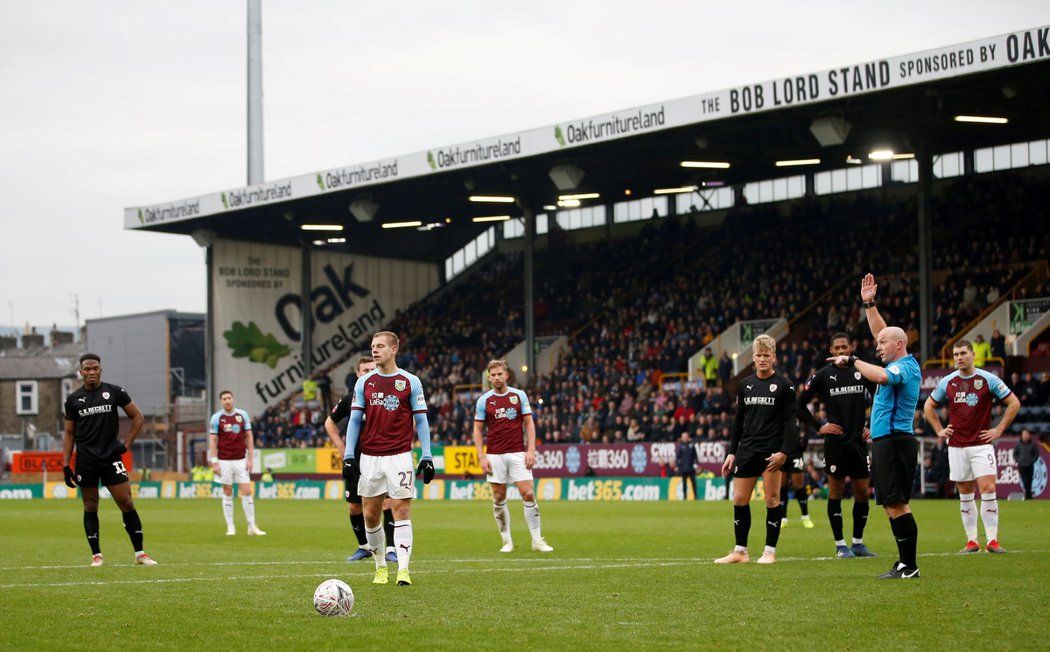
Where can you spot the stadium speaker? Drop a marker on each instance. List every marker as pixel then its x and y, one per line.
pixel 203 237
pixel 830 131
pixel 566 176
pixel 364 209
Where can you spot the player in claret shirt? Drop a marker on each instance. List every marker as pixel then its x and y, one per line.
pixel 511 452
pixel 232 447
pixel 969 393
pixel 390 403
pixel 765 431
pixel 92 426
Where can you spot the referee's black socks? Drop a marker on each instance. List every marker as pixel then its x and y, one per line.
pixel 91 531
pixel 133 525
pixel 906 533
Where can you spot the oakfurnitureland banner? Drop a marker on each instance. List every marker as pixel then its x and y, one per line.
pixel 1005 50
pixel 257 314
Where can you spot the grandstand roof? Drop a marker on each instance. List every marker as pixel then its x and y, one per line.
pixel 891 102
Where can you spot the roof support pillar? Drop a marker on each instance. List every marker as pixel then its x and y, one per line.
pixel 925 205
pixel 530 330
pixel 306 340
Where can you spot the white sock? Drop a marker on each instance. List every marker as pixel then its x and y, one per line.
pixel 968 511
pixel 227 510
pixel 376 541
pixel 742 549
pixel 857 541
pixel 841 542
pixel 989 516
pixel 390 549
pixel 248 503
pixel 502 515
pixel 403 543
pixel 769 549
pixel 532 517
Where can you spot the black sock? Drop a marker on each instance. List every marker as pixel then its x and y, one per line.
pixel 906 532
pixel 388 526
pixel 133 525
pixel 741 523
pixel 860 518
pixel 784 500
pixel 803 501
pixel 772 526
pixel 91 530
pixel 835 517
pixel 357 523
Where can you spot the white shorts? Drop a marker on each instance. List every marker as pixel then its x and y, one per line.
pixel 392 475
pixel 508 468
pixel 969 462
pixel 233 472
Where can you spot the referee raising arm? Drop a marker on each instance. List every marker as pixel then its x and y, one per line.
pixel 894 450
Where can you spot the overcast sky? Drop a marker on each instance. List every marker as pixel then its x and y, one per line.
pixel 121 103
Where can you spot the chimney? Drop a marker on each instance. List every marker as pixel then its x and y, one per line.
pixel 33 340
pixel 8 342
pixel 58 338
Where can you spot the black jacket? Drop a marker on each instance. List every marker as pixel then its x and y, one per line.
pixel 1026 453
pixel 685 458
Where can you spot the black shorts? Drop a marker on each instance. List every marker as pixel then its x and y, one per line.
pixel 90 473
pixel 794 465
pixel 350 492
pixel 751 465
pixel 893 462
pixel 847 460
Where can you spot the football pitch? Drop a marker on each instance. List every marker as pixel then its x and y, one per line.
pixel 623 575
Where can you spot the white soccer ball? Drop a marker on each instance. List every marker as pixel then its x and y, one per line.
pixel 333 598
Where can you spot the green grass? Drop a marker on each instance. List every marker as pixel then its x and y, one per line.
pixel 623 575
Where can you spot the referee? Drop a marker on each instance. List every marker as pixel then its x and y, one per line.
pixel 894 447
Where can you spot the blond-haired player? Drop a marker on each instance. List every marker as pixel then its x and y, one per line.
pixel 511 452
pixel 765 432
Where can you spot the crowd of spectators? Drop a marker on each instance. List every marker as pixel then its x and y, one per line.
pixel 677 286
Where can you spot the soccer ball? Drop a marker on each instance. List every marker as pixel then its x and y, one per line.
pixel 333 598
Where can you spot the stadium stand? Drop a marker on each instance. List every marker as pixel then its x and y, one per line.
pixel 677 286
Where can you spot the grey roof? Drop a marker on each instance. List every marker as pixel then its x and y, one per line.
pixel 37 367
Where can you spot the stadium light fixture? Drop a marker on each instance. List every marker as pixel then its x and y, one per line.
pixel 798 161
pixel 402 225
pixel 586 195
pixel 902 157
pixel 336 240
pixel 321 227
pixel 492 199
pixel 982 119
pixel 491 218
pixel 627 192
pixel 319 243
pixel 881 155
pixel 550 207
pixel 707 165
pixel 674 191
pixel 569 203
pixel 852 160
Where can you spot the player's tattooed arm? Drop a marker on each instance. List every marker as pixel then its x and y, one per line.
pixel 479 446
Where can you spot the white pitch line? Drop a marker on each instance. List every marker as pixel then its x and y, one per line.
pixel 319 562
pixel 560 567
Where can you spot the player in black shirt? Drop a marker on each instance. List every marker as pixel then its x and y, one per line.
pixel 794 477
pixel 333 425
pixel 765 431
pixel 846 396
pixel 92 426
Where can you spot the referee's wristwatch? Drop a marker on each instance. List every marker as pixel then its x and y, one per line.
pixel 868 304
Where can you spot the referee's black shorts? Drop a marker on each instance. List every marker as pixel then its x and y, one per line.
pixel 893 462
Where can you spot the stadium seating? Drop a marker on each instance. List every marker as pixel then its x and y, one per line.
pixel 677 286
